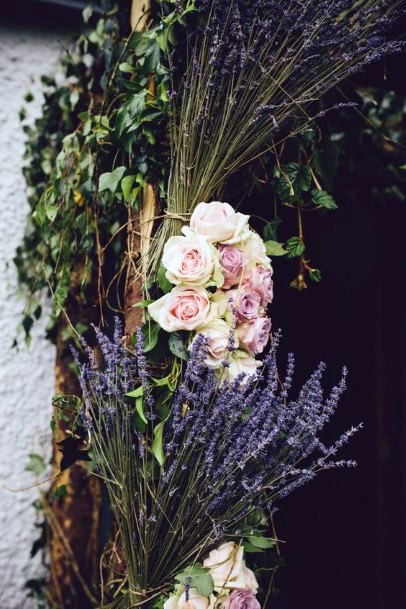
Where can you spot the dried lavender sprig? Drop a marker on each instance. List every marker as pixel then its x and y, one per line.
pixel 229 450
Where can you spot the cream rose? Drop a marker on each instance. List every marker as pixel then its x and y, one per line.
pixel 192 261
pixel 228 569
pixel 255 251
pixel 195 601
pixel 241 362
pixel 219 223
pixel 184 308
pixel 218 337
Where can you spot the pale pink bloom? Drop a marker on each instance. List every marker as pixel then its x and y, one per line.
pixel 261 280
pixel 184 308
pixel 191 261
pixel 218 222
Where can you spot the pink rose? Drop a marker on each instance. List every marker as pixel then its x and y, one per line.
pixel 191 261
pixel 254 335
pixel 232 261
pixel 247 303
pixel 183 308
pixel 261 281
pixel 218 222
pixel 241 599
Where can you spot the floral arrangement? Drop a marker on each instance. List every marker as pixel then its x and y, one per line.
pixel 223 286
pixel 195 449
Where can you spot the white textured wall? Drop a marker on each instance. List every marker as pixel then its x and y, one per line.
pixel 26 377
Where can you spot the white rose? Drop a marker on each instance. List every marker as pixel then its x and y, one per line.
pixel 184 308
pixel 240 362
pixel 195 601
pixel 218 335
pixel 255 251
pixel 219 223
pixel 192 261
pixel 228 569
pixel 226 564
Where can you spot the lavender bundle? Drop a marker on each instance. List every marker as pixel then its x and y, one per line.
pixel 184 481
pixel 254 70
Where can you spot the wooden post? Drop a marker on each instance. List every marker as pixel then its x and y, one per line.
pixel 140 222
pixel 73 521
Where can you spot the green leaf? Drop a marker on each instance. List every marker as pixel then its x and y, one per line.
pixel 264 543
pixel 295 179
pixel 110 180
pixel 143 304
pixel 61 492
pixel 163 282
pixel 271 230
pixel 294 247
pixel 126 187
pixel 136 393
pixel 177 346
pixel 126 68
pixel 199 578
pixel 248 547
pixel 36 464
pixel 157 445
pixel 151 332
pixel 315 275
pixel 273 248
pixel 324 199
pixel 139 407
pixel 51 212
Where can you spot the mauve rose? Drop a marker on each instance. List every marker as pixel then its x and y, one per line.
pixel 241 599
pixel 261 280
pixel 218 222
pixel 232 262
pixel 247 303
pixel 182 309
pixel 254 335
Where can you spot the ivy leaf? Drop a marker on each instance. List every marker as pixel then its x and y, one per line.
pixel 324 199
pixel 198 577
pixel 294 247
pixel 295 178
pixel 126 187
pixel 271 230
pixel 51 212
pixel 110 180
pixel 273 248
pixel 36 464
pixel 177 346
pixel 157 445
pixel 315 275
